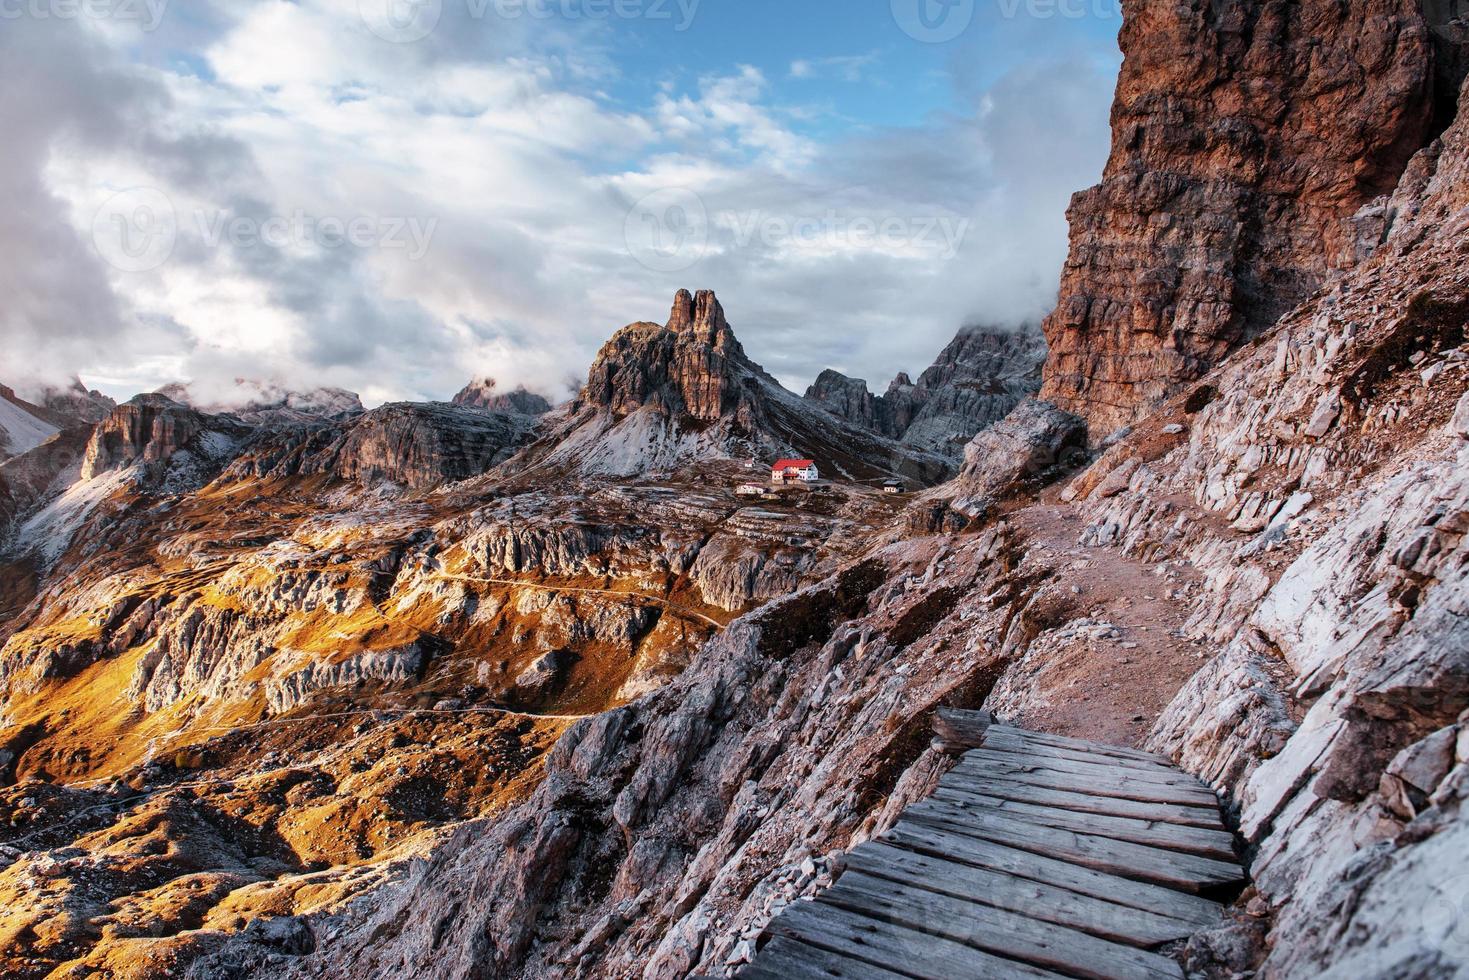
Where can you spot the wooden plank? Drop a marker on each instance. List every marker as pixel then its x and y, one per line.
pixel 995 930
pixel 960 731
pixel 1001 742
pixel 1008 789
pixel 908 951
pixel 1188 840
pixel 1062 741
pixel 1095 766
pixel 1038 900
pixel 1183 871
pixel 1118 785
pixel 948 846
pixel 786 959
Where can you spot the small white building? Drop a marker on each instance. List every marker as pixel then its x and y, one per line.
pixel 894 487
pixel 750 490
pixel 795 471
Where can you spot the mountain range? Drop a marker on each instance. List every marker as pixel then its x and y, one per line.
pixel 496 688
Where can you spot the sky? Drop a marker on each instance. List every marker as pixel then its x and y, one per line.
pixel 396 196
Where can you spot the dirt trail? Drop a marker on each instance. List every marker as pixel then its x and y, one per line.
pixel 1099 683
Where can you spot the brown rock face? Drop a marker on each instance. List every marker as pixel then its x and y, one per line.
pixel 692 366
pixel 148 429
pixel 1245 134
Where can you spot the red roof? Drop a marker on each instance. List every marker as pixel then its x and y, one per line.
pixel 793 464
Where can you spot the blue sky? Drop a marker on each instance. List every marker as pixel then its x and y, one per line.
pixel 396 198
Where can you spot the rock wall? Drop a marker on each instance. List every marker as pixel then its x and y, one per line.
pixel 1245 136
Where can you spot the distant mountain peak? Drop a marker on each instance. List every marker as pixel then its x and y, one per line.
pixel 485 395
pixel 975 382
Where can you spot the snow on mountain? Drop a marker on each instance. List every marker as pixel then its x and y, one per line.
pixel 21 427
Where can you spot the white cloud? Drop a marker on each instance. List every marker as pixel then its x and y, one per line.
pixel 527 172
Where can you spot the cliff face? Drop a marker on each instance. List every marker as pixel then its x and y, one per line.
pixel 1245 135
pixel 693 366
pixel 975 382
pixel 152 429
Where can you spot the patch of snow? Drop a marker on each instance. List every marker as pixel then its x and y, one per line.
pixel 21 430
pixel 48 533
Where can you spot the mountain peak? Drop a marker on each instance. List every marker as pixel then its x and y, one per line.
pixel 699 314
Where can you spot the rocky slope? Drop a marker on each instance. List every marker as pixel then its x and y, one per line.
pixel 23 426
pixel 974 383
pixel 1246 138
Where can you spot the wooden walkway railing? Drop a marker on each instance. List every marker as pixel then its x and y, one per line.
pixel 1037 856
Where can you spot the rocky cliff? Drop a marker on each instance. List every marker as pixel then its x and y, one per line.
pixel 974 383
pixel 1246 136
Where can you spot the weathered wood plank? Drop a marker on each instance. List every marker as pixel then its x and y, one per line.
pixel 1207 817
pixel 1001 742
pixel 1093 767
pixel 959 731
pixel 981 765
pixel 1035 899
pixel 787 959
pixel 948 846
pixel 909 951
pixel 995 930
pixel 1216 844
pixel 1174 870
pixel 1063 741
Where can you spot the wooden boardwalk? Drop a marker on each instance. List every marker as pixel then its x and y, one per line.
pixel 1037 856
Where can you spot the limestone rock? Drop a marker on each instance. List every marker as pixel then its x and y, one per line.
pixel 1035 440
pixel 1460 423
pixel 1210 222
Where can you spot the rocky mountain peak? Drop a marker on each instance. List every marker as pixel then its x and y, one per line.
pixel 974 383
pixel 485 394
pixel 700 314
pixel 693 366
